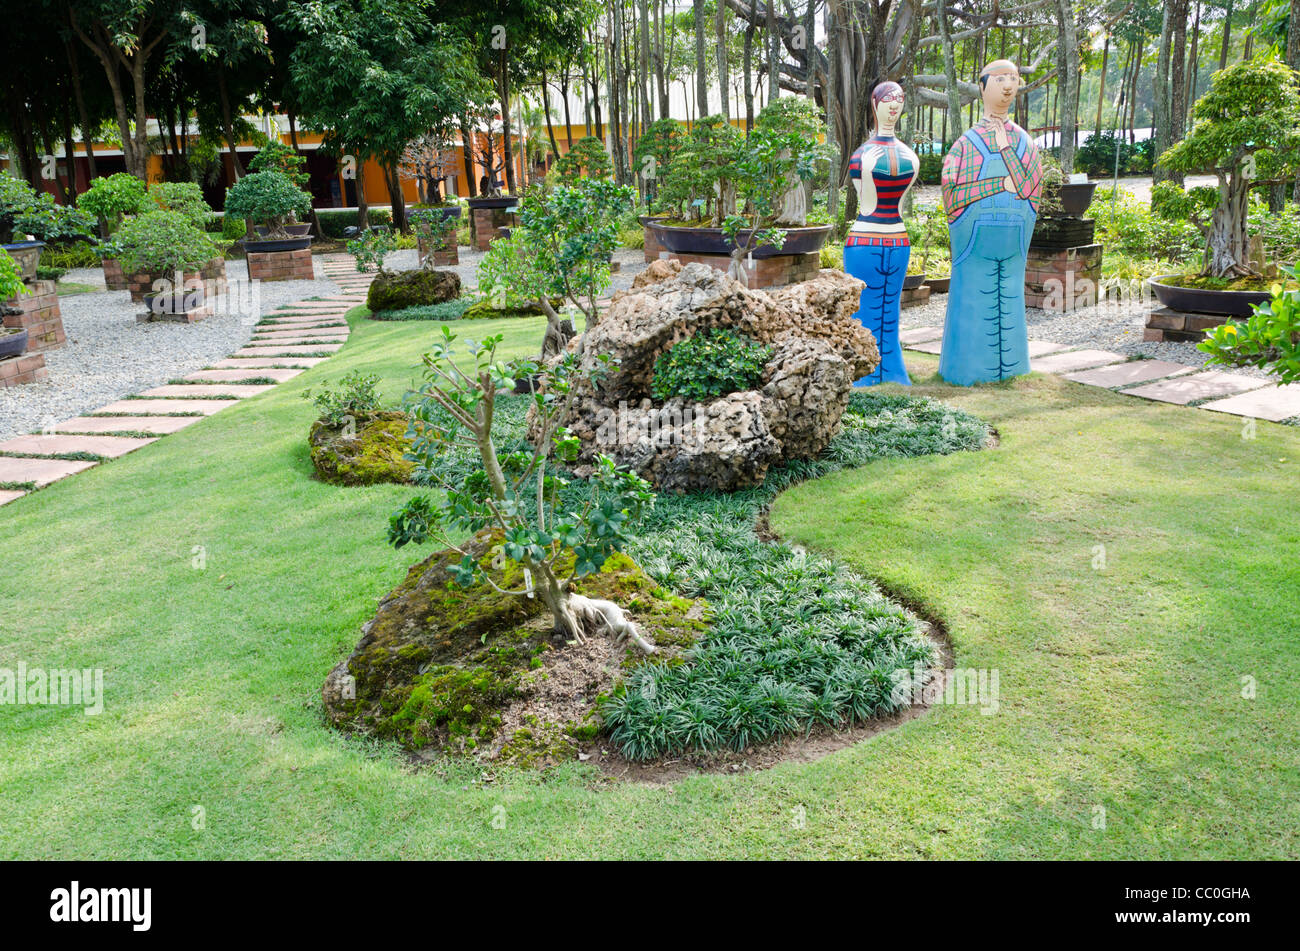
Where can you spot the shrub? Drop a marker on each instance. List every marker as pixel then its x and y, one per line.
pixel 11 277
pixel 1278 232
pixel 398 290
pixel 160 242
pixel 112 197
pixel 832 256
pixel 269 198
pixel 354 396
pixel 369 249
pixel 185 198
pixel 710 364
pixel 332 222
pixel 67 256
pixel 447 310
pixel 232 228
pixel 1127 226
pixel 24 212
pixel 587 158
pixel 930 170
pixel 1269 339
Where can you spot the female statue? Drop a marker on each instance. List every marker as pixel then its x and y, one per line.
pixel 877 248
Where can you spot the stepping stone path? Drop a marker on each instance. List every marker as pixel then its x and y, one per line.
pixel 1159 380
pixel 283 345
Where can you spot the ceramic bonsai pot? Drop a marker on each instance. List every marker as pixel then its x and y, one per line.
pixel 680 240
pixel 1075 198
pixel 27 255
pixel 494 201
pixel 13 342
pixel 939 285
pixel 277 244
pixel 912 281
pixel 298 230
pixel 1195 300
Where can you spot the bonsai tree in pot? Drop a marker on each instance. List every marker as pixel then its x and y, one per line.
pixel 184 198
pixel 1247 133
pixel 28 221
pixel 696 185
pixel 655 151
pixel 166 247
pixel 587 159
pixel 269 198
pixel 111 198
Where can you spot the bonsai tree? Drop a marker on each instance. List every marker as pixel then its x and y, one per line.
pixel 369 248
pixel 546 540
pixel 269 198
pixel 1247 133
pixel 587 158
pixel 185 198
pixel 697 183
pixel 1269 340
pixel 111 198
pixel 24 212
pixel 438 231
pixel 655 151
pixel 275 156
pixel 799 122
pixel 161 242
pixel 561 249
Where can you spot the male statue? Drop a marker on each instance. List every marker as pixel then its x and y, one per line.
pixel 992 178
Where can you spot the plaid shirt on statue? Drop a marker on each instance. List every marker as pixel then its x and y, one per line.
pixel 962 185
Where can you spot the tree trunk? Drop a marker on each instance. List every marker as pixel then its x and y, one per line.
pixel 506 144
pixel 1101 92
pixel 720 25
pixel 393 180
pixel 83 117
pixel 1227 247
pixel 701 76
pixel 1177 78
pixel 1227 36
pixel 363 206
pixel 228 125
pixel 832 97
pixel 773 54
pixel 955 127
pixel 1067 58
pixel 546 107
pixel 1161 112
pixel 467 148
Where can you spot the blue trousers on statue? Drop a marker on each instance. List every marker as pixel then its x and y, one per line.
pixel 984 334
pixel 882 268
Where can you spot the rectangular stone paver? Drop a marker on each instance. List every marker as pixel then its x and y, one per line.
pixel 39 471
pixel 1274 403
pixel 199 390
pixel 307 333
pixel 1126 374
pixel 8 495
pixel 928 346
pixel 232 376
pixel 40 444
pixel 919 335
pixel 1073 360
pixel 163 407
pixel 255 363
pixel 292 320
pixel 309 350
pixel 1196 386
pixel 1041 348
pixel 159 425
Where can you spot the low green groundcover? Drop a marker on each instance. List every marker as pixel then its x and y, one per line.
pixel 447 310
pixel 795 639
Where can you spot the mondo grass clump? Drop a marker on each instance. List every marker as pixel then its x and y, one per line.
pixel 795 640
pixel 447 310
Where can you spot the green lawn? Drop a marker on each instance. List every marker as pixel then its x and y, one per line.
pixel 1118 687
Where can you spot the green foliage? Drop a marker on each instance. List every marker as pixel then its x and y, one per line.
pixel 1279 232
pixel 275 156
pixel 369 248
pixel 24 212
pixel 11 277
pixel 1172 203
pixel 587 158
pixel 270 198
pixel 68 256
pixel 160 242
pixel 655 150
pixel 930 169
pixel 1096 155
pixel 1252 108
pixel 333 222
pixel 110 198
pixel 354 395
pixel 688 186
pixel 1127 226
pixel 710 364
pixel 437 229
pixel 447 310
pixel 232 228
pixel 186 198
pixel 831 256
pixel 1269 339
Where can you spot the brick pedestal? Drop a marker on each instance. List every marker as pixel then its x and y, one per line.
pixel 281 265
pixel 38 313
pixel 212 276
pixel 776 271
pixel 1063 280
pixel 487 224
pixel 1165 325
pixel 27 368
pixel 114 279
pixel 652 245
pixel 443 257
pixel 914 296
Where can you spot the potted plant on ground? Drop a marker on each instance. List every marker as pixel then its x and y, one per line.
pixel 13 340
pixel 164 254
pixel 271 199
pixel 1246 133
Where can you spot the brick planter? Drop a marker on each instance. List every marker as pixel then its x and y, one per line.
pixel 1063 280
pixel 212 276
pixel 281 265
pixel 914 297
pixel 28 368
pixel 114 279
pixel 776 271
pixel 38 313
pixel 444 257
pixel 488 224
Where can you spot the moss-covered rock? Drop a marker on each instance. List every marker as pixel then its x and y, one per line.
pixel 483 309
pixel 398 290
pixel 368 450
pixel 455 669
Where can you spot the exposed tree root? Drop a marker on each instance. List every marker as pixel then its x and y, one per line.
pixel 596 616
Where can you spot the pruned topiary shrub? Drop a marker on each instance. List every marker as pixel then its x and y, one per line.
pixel 398 290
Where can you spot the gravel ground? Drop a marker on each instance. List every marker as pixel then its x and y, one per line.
pixel 109 356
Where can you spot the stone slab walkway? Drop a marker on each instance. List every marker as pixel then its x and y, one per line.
pixel 1159 380
pixel 284 344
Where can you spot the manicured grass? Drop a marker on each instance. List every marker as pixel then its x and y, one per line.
pixel 1119 687
pixel 72 288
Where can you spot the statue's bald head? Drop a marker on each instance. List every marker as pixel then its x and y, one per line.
pixel 1000 66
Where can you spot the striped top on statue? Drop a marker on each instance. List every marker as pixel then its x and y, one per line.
pixel 891 174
